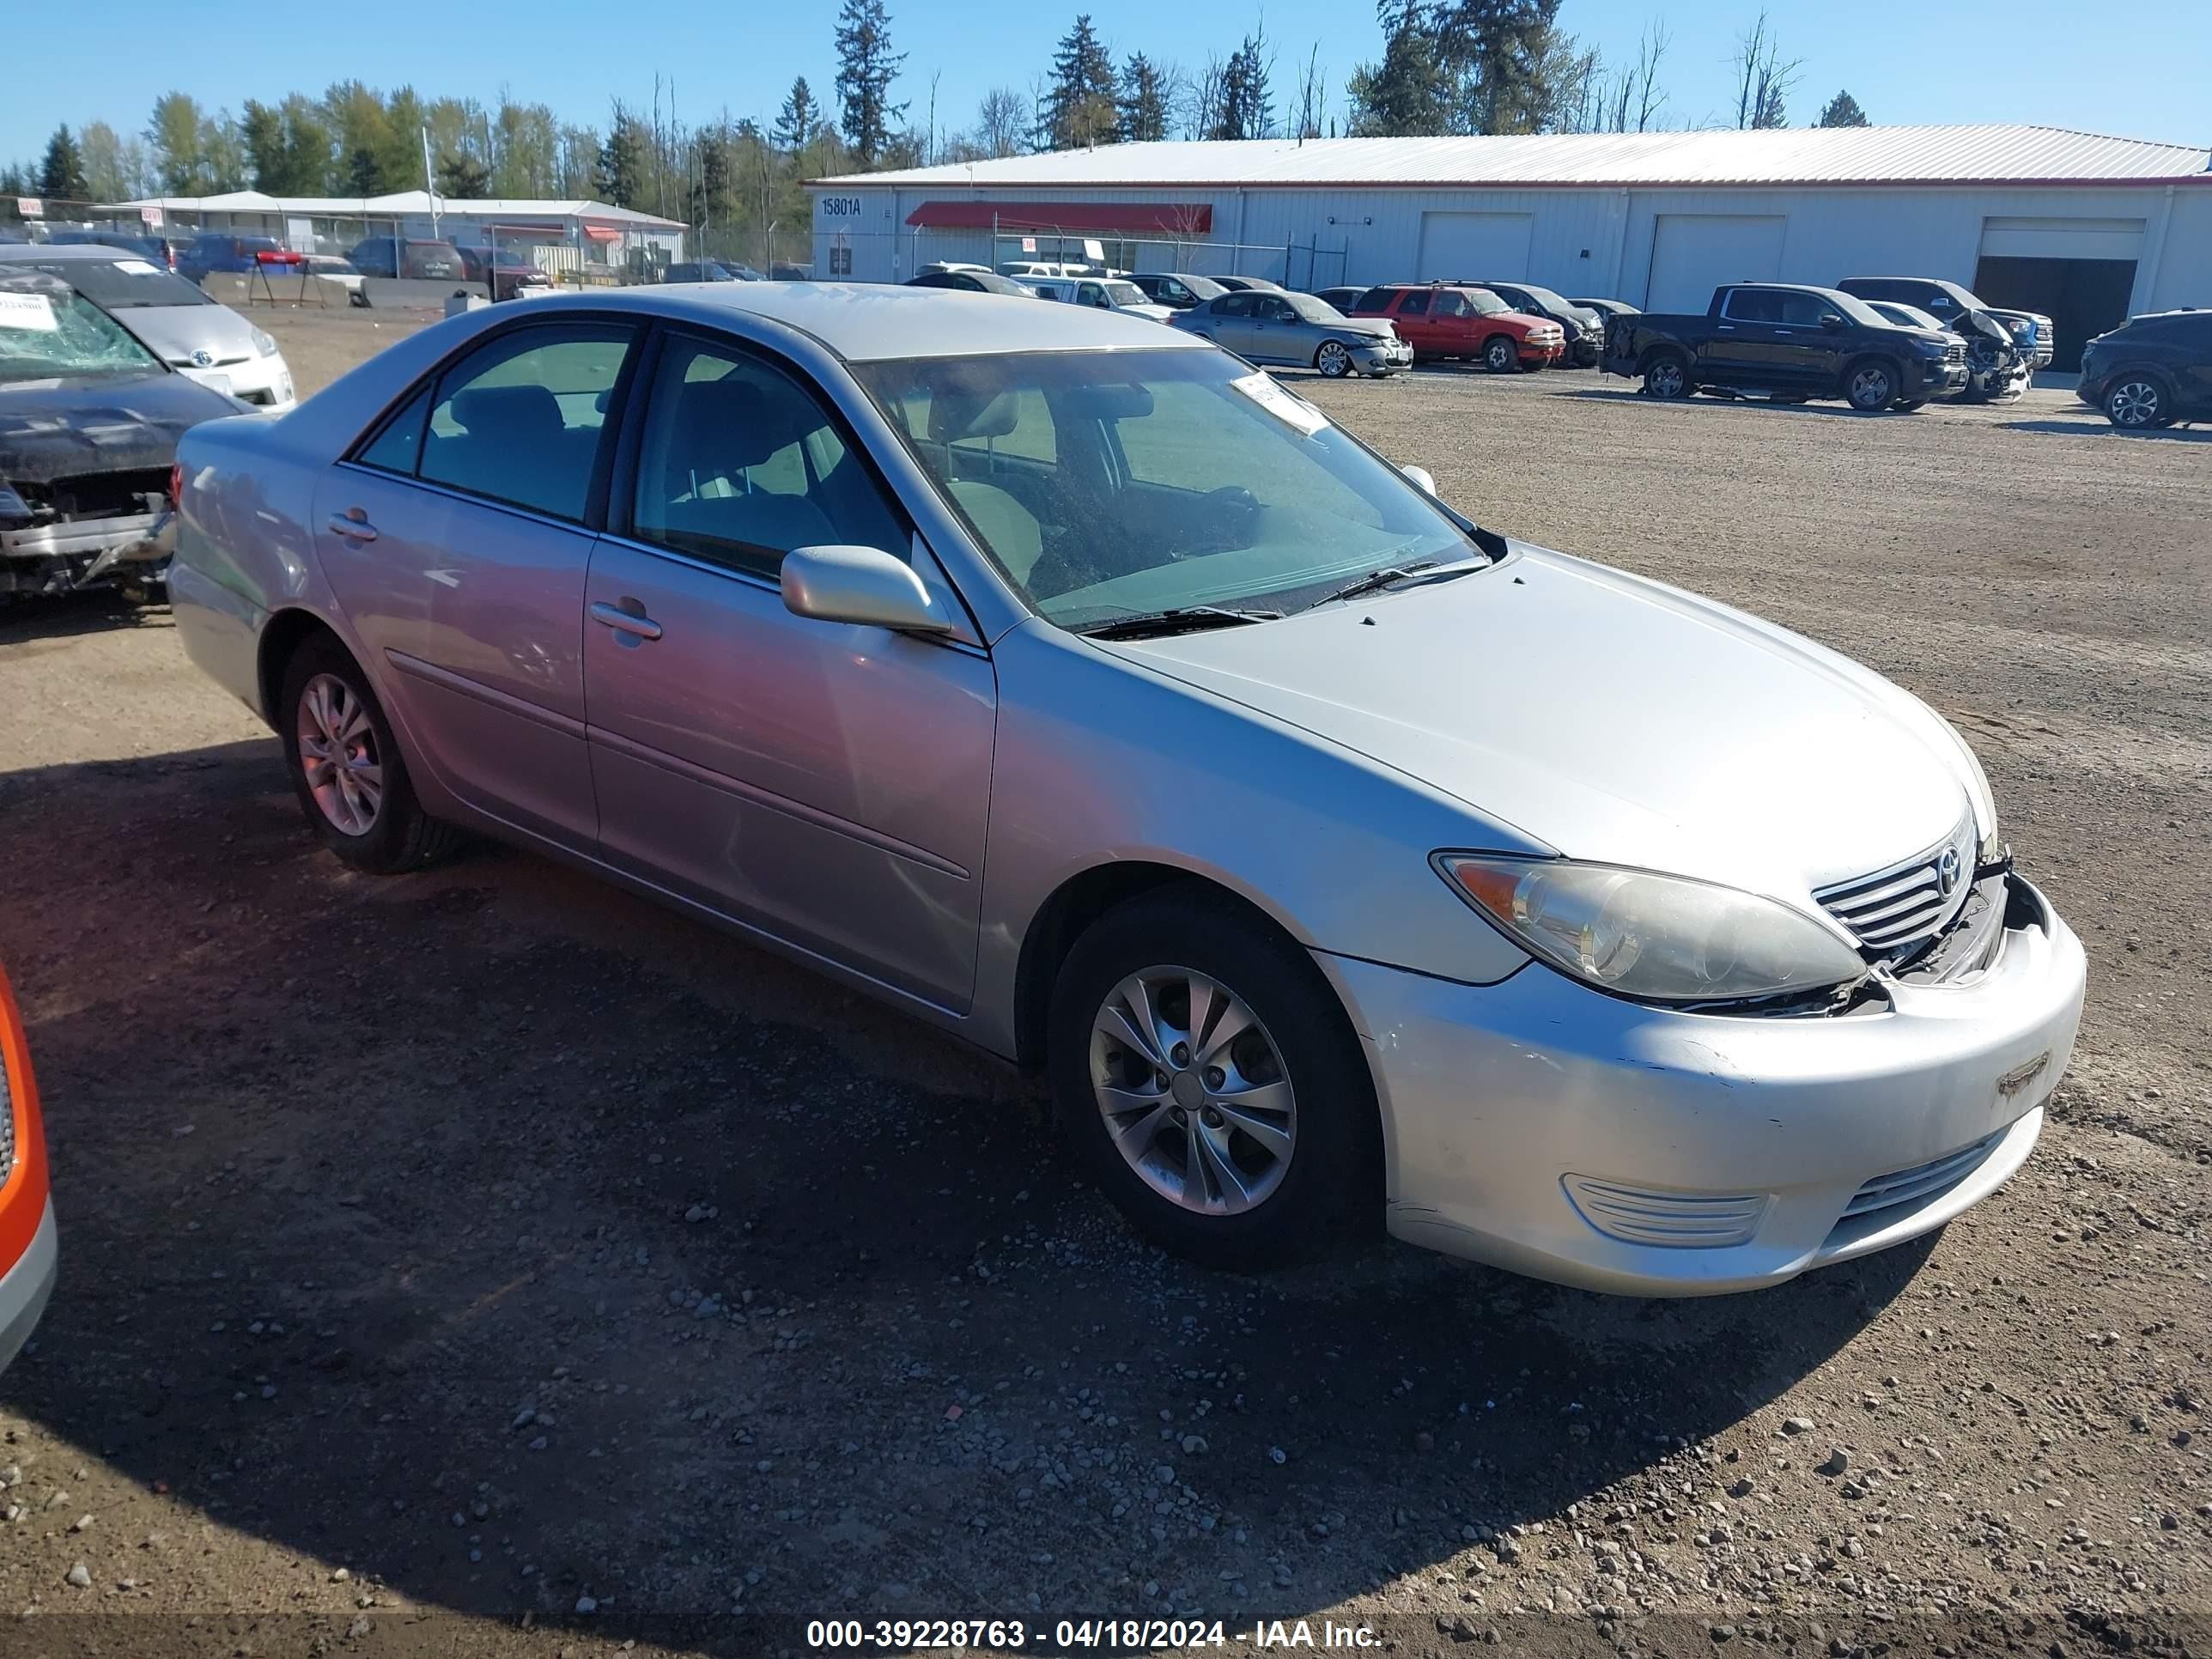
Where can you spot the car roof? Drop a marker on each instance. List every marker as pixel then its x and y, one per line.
pixel 91 252
pixel 868 322
pixel 1802 288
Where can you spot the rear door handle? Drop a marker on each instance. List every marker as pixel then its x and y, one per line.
pixel 352 528
pixel 625 621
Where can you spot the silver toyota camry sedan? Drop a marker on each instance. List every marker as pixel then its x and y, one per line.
pixel 1064 681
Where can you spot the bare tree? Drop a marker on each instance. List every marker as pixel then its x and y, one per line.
pixel 1634 97
pixel 1202 98
pixel 1312 96
pixel 1764 78
pixel 1002 122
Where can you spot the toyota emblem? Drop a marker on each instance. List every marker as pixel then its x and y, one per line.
pixel 1947 871
pixel 203 360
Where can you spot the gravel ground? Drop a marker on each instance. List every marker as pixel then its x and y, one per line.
pixel 488 1262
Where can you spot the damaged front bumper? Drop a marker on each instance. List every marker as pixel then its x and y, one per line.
pixel 121 549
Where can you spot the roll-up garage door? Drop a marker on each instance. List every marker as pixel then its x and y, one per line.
pixel 2081 273
pixel 1473 245
pixel 1694 253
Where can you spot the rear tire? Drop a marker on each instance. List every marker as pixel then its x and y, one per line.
pixel 1180 1170
pixel 1500 355
pixel 346 769
pixel 1666 375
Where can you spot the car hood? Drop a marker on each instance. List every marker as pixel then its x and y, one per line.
pixel 1380 327
pixel 174 332
pixel 1525 320
pixel 1151 309
pixel 1610 719
pixel 56 428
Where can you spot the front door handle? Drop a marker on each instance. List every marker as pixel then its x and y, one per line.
pixel 623 620
pixel 353 525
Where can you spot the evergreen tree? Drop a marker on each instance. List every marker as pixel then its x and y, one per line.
pixel 1245 110
pixel 712 200
pixel 622 156
pixel 796 123
pixel 463 176
pixel 1407 94
pixel 1143 100
pixel 1078 108
pixel 866 66
pixel 1842 111
pixel 61 175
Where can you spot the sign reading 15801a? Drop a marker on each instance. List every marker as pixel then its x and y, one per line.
pixel 837 207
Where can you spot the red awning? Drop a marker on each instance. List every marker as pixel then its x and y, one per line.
pixel 603 233
pixel 1079 218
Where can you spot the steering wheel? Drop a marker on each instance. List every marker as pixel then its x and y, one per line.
pixel 1225 524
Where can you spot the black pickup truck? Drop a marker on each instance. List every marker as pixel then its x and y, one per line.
pixel 1788 343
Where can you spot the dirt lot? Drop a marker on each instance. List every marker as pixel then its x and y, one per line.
pixel 487 1262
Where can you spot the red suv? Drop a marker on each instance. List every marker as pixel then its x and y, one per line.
pixel 1451 319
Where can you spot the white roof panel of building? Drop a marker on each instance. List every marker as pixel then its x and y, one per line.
pixel 1787 156
pixel 405 201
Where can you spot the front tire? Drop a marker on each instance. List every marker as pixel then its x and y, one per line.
pixel 1333 359
pixel 347 771
pixel 1206 1076
pixel 1500 355
pixel 1870 386
pixel 2136 402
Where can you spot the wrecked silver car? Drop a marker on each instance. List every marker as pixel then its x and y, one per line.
pixel 89 420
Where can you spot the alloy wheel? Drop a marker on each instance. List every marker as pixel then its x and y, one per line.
pixel 1666 380
pixel 1193 1091
pixel 338 753
pixel 1334 361
pixel 2133 403
pixel 1871 388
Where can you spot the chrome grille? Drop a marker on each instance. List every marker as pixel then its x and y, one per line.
pixel 1955 352
pixel 1907 903
pixel 1903 1187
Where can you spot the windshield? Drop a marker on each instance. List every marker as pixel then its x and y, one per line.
pixel 51 333
pixel 121 284
pixel 1545 298
pixel 1121 484
pixel 1909 317
pixel 1126 294
pixel 1313 309
pixel 1486 303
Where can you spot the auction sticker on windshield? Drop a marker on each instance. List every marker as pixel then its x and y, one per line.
pixel 32 312
pixel 1261 389
pixel 137 268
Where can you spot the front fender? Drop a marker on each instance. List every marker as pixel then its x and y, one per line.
pixel 1100 760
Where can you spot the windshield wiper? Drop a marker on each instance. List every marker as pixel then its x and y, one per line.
pixel 1180 619
pixel 1376 580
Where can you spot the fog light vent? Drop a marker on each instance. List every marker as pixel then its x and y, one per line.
pixel 1691 1221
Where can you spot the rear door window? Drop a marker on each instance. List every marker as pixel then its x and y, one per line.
pixel 521 419
pixel 1754 305
pixel 1415 304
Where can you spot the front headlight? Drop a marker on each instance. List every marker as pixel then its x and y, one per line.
pixel 1660 939
pixel 1932 347
pixel 265 343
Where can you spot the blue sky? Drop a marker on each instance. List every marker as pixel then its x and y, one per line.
pixel 576 54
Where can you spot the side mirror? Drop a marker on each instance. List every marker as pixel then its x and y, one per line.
pixel 1831 322
pixel 1423 477
pixel 862 585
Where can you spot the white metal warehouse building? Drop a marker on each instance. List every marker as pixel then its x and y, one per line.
pixel 2085 228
